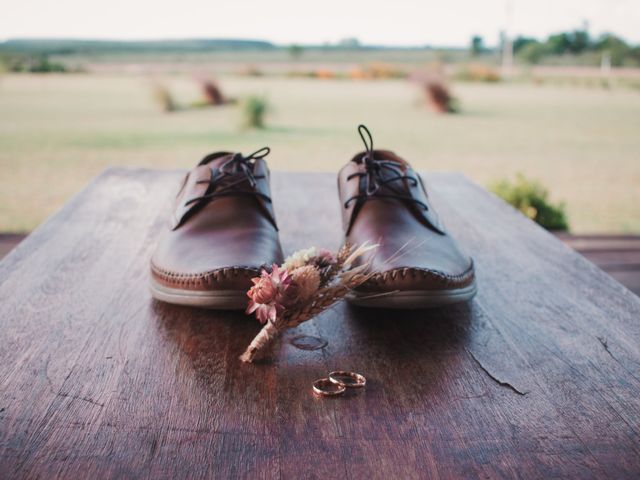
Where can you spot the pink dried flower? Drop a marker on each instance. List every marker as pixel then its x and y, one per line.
pixel 324 258
pixel 270 294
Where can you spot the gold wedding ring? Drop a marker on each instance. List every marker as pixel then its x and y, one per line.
pixel 348 379
pixel 325 387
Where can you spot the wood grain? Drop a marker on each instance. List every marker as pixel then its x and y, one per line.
pixel 538 377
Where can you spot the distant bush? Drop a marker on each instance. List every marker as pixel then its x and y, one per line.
pixel 323 74
pixel 532 52
pixel 295 51
pixel 384 70
pixel 319 74
pixel 377 70
pixel 477 45
pixel 30 64
pixel 619 52
pixel 254 110
pixel 531 198
pixel 578 44
pixel 477 72
pixel 250 71
pixel 44 65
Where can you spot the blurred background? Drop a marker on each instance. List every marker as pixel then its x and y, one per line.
pixel 537 100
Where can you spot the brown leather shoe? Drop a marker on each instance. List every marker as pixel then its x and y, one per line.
pixel 418 264
pixel 222 232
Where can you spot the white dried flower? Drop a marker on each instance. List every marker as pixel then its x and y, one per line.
pixel 299 258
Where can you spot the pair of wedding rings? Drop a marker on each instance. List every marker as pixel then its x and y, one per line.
pixel 337 383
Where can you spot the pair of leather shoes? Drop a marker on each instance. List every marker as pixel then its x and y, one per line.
pixel 223 232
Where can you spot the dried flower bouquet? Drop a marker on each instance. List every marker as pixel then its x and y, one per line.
pixel 306 284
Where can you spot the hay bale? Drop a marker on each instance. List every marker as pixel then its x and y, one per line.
pixel 438 97
pixel 211 92
pixel 163 97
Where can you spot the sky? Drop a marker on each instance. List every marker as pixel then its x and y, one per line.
pixel 394 23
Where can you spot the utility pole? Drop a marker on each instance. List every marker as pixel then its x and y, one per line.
pixel 605 68
pixel 507 43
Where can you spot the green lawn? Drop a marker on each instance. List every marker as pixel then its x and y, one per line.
pixel 57 132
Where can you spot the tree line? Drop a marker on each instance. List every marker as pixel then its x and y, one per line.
pixel 574 43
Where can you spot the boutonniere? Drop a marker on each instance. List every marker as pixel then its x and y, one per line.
pixel 306 284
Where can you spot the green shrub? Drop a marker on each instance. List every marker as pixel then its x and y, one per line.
pixel 477 46
pixel 254 109
pixel 295 51
pixel 31 64
pixel 533 52
pixel 44 65
pixel 531 198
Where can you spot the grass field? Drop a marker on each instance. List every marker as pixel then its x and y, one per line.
pixel 57 132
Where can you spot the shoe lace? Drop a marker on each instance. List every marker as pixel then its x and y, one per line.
pixel 233 173
pixel 374 179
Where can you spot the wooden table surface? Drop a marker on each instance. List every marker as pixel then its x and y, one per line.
pixel 538 377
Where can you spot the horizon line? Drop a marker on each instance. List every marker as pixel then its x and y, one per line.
pixel 285 44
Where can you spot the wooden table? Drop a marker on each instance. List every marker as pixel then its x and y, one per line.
pixel 538 377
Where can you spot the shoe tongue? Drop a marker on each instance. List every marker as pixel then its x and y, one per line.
pixel 232 171
pixel 386 155
pixel 390 166
pixel 215 163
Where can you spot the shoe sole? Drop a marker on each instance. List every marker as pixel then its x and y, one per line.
pixel 413 298
pixel 215 299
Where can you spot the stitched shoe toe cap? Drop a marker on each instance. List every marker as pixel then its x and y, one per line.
pixel 411 278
